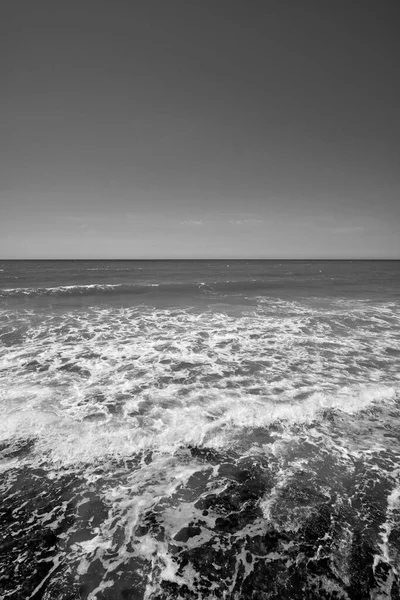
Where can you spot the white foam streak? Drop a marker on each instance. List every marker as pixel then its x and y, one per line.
pixel 393 507
pixel 112 382
pixel 67 442
pixel 60 288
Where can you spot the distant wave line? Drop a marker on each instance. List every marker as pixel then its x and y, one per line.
pixel 139 288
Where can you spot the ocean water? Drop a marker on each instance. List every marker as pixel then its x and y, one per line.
pixel 199 429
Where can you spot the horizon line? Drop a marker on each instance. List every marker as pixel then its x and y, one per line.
pixel 369 259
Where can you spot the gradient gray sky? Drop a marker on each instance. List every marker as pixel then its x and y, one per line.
pixel 212 128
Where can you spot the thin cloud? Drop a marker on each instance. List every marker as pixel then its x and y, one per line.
pixel 245 221
pixel 85 218
pixel 348 230
pixel 331 225
pixel 191 222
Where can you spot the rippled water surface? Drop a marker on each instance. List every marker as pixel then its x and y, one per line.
pixel 199 430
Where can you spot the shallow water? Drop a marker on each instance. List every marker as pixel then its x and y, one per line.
pixel 200 439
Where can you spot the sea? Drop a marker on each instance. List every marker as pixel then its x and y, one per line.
pixel 199 430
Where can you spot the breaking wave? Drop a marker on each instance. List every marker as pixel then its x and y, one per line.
pixel 141 288
pixel 179 453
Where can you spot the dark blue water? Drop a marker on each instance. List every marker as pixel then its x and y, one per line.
pixel 199 429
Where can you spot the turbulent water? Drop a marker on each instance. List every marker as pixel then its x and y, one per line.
pixel 194 429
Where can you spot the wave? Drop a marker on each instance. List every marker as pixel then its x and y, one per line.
pixel 167 441
pixel 342 421
pixel 75 290
pixel 141 288
pixel 139 377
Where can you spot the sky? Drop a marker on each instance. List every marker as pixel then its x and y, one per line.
pixel 199 129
